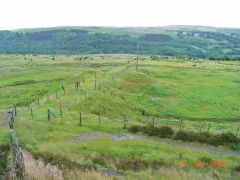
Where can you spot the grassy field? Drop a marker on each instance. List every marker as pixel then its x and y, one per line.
pixel 169 90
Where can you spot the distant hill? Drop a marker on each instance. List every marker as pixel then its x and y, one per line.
pixel 190 41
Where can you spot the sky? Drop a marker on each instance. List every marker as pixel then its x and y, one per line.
pixel 15 14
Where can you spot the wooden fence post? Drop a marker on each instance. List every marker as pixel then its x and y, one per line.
pixel 99 119
pixel 31 113
pixel 181 125
pixel 209 126
pixel 80 118
pixel 124 122
pixel 237 131
pixel 143 112
pixel 63 88
pixel 12 118
pixel 15 109
pixel 49 115
pixel 60 106
pixel 153 120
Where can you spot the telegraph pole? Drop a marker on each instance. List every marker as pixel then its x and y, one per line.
pixel 137 57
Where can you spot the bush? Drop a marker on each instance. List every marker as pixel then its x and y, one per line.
pixel 228 138
pixel 99 160
pixel 205 159
pixel 61 161
pixel 165 131
pixel 150 130
pixel 4 150
pixel 136 164
pixel 186 136
pixel 135 128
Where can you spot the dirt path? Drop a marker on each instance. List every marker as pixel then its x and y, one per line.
pixel 125 136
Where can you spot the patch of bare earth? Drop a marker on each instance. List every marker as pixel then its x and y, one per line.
pixel 37 170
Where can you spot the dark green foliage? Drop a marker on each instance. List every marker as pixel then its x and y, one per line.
pixel 186 136
pixel 99 160
pixel 132 163
pixel 228 137
pixel 177 42
pixel 237 168
pixel 223 139
pixel 135 128
pixel 156 37
pixel 208 138
pixel 151 130
pixel 205 159
pixel 61 161
pixel 165 132
pixel 4 150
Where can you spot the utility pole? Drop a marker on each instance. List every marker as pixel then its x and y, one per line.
pixel 137 57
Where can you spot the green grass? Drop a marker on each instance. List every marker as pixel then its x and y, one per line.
pixel 170 90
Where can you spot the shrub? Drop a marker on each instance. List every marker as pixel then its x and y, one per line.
pixel 186 136
pixel 205 159
pixel 99 160
pixel 61 161
pixel 237 168
pixel 135 128
pixel 203 137
pixel 136 164
pixel 4 150
pixel 151 130
pixel 228 138
pixel 165 131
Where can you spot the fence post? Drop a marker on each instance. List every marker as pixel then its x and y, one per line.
pixel 31 113
pixel 124 122
pixel 60 106
pixel 181 125
pixel 63 88
pixel 49 115
pixel 15 109
pixel 153 120
pixel 143 112
pixel 237 131
pixel 209 126
pixel 80 118
pixel 99 119
pixel 12 118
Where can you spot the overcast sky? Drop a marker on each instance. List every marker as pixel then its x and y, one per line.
pixel 16 14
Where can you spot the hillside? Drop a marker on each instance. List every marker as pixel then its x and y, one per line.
pixel 190 41
pixel 91 117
